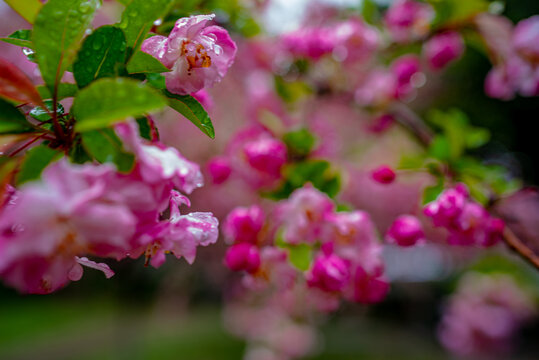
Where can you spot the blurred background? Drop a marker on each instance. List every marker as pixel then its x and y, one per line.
pixel 176 311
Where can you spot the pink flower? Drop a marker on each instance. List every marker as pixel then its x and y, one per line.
pixel 377 90
pixel 406 230
pixel 526 38
pixel 448 206
pixel 198 55
pixel 204 98
pixel 408 20
pixel 304 214
pixel 404 69
pixel 329 273
pixel 219 169
pixel 384 175
pixel 355 41
pixel 310 43
pixel 244 224
pixel 266 155
pixel 243 256
pixel 443 48
pixel 54 221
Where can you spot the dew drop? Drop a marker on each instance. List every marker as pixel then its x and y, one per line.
pixel 158 22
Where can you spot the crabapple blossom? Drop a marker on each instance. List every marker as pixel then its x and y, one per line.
pixel 443 48
pixel 242 225
pixel 198 55
pixel 354 40
pixel 243 256
pixel 266 155
pixel 219 169
pixel 310 43
pixel 329 273
pixel 408 20
pixel 406 230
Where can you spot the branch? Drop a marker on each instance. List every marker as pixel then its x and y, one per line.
pixel 515 244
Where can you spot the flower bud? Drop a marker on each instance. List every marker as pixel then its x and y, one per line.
pixel 329 273
pixel 243 257
pixel 443 48
pixel 242 225
pixel 267 155
pixel 406 230
pixel 384 175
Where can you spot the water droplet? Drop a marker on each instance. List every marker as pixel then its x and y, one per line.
pixel 27 51
pixel 158 22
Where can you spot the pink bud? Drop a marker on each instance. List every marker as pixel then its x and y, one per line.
pixel 243 224
pixel 443 48
pixel 243 257
pixel 381 123
pixel 329 273
pixel 406 230
pixel 267 155
pixel 495 228
pixel 384 175
pixel 219 169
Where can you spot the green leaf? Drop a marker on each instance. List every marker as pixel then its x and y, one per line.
pixel 476 137
pixel 41 114
pixel 430 193
pixel 144 128
pixel 65 90
pixel 20 38
pixel 141 62
pixel 157 81
pixel 299 142
pixel 105 146
pixel 59 28
pixel 300 256
pixel 118 100
pixel 451 11
pixel 440 148
pixel 369 11
pixel 28 9
pixel 100 54
pixel 138 18
pixel 189 107
pixel 12 121
pixel 35 161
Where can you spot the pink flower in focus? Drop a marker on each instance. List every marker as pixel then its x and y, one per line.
pixel 243 257
pixel 242 225
pixel 266 155
pixel 406 230
pixel 443 48
pixel 408 20
pixel 198 55
pixel 329 273
pixel 384 175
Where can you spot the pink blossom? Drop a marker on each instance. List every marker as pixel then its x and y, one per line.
pixel 219 169
pixel 54 221
pixel 310 43
pixel 408 20
pixel 377 90
pixel 198 55
pixel 329 273
pixel 448 206
pixel 484 314
pixel 404 69
pixel 266 155
pixel 243 256
pixel 406 230
pixel 443 48
pixel 384 175
pixel 204 98
pixel 303 215
pixel 243 224
pixel 526 38
pixel 355 41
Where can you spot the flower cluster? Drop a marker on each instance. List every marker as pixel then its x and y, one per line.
pixel 484 314
pixel 346 255
pixel 47 227
pixel 468 222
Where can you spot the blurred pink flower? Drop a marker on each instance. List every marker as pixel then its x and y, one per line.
pixel 443 48
pixel 406 230
pixel 384 175
pixel 408 20
pixel 243 256
pixel 329 273
pixel 242 225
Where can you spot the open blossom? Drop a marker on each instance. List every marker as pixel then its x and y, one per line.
pixel 312 43
pixel 408 20
pixel 54 221
pixel 198 55
pixel 443 48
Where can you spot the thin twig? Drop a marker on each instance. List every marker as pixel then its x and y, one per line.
pixel 515 244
